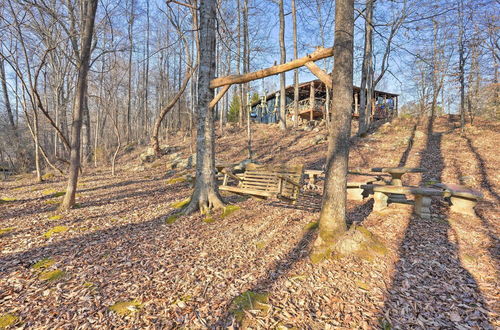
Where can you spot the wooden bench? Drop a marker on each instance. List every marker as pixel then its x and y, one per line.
pixel 423 197
pixel 262 181
pixel 463 199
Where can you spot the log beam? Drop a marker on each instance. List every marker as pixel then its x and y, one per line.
pixel 318 72
pixel 218 96
pixel 318 54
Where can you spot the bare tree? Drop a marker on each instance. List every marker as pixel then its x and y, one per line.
pixel 365 97
pixel 89 8
pixel 206 194
pixel 282 113
pixel 296 71
pixel 332 221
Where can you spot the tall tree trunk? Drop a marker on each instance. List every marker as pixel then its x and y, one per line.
pixel 296 71
pixel 90 8
pixel 130 51
pixel 239 63
pixel 332 222
pixel 365 94
pixel 461 60
pixel 86 143
pixel 6 99
pixel 206 193
pixel 282 113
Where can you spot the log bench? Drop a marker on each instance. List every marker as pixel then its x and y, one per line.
pixel 423 197
pixel 463 199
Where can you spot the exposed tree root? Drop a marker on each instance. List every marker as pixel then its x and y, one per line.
pixel 357 241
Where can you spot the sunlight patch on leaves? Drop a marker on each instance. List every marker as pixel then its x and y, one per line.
pixel 7 199
pixel 55 217
pixel 311 225
pixel 176 180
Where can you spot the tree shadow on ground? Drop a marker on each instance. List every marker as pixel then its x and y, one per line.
pixel 485 181
pixel 430 288
pixel 283 266
pixel 409 146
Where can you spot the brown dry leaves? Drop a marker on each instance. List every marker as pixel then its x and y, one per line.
pixel 118 248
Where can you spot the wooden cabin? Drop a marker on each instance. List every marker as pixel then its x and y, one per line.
pixel 312 103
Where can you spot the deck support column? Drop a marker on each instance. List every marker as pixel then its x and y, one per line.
pixel 312 101
pixel 356 104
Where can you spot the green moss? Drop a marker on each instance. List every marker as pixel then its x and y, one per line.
pixel 172 218
pixel 6 230
pixel 51 275
pixel 55 230
pixel 181 204
pixel 249 301
pixel 7 320
pixel 209 219
pixel 48 176
pixel 319 254
pixel 76 206
pixel 260 245
pixel 362 285
pixel 48 192
pixel 126 307
pixel 43 263
pixel 311 225
pixel 228 210
pixel 55 217
pixel 176 180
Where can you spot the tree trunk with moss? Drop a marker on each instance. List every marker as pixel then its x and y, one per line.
pixel 332 222
pixel 206 193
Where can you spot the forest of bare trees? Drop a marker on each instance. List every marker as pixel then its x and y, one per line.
pixel 144 65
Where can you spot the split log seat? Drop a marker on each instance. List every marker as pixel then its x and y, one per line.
pixel 262 181
pixel 423 197
pixel 463 199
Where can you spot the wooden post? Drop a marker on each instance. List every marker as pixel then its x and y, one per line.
pixel 396 107
pixel 249 132
pixel 312 101
pixel 385 107
pixel 356 104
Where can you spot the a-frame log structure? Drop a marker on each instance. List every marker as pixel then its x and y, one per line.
pixel 308 61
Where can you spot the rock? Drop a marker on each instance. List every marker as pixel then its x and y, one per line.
pixel 316 129
pixel 318 139
pixel 148 156
pixel 308 129
pixel 139 168
pixel 145 158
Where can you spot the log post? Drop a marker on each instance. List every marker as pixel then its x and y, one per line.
pixel 318 54
pixel 356 104
pixel 312 101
